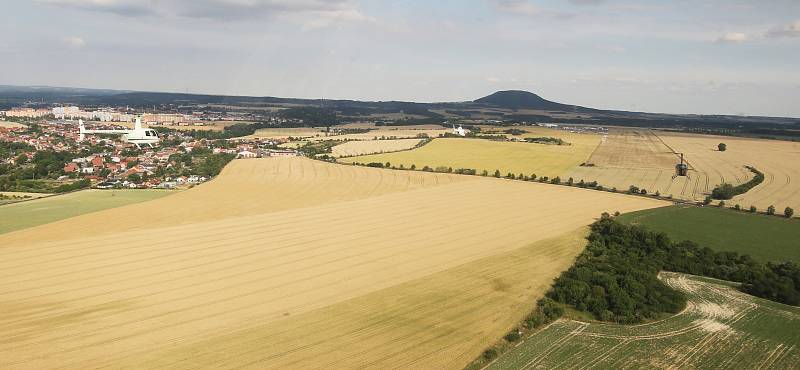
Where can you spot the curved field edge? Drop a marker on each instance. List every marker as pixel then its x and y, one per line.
pixel 23 215
pixel 720 327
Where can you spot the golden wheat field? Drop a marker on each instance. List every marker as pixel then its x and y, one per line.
pixel 479 154
pixel 778 160
pixel 641 158
pixel 354 148
pixel 291 263
pixel 388 132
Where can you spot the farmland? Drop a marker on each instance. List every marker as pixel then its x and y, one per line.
pixel 50 209
pixel 515 157
pixel 762 237
pixel 354 148
pixel 778 160
pixel 640 158
pixel 230 270
pixel 283 133
pixel 8 124
pixel 720 328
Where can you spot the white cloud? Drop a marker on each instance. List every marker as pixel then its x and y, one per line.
pixel 75 42
pixel 587 2
pixel 317 12
pixel 733 37
pixel 518 7
pixel 789 30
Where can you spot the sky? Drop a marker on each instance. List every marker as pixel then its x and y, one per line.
pixel 705 57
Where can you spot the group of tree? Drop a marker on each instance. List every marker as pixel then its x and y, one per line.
pixel 615 278
pixel 546 140
pixel 726 191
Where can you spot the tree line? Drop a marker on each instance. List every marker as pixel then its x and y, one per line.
pixel 615 278
pixel 726 191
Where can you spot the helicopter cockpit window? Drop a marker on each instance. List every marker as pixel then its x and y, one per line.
pixel 147 133
pixel 153 132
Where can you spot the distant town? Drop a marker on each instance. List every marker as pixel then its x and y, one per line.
pixel 40 150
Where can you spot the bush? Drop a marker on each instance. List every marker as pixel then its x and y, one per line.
pixel 643 192
pixel 497 173
pixel 375 164
pixel 722 147
pixel 788 212
pixel 513 336
pixel 555 180
pixel 753 209
pixel 490 354
pixel 722 203
pixel 707 201
pixel 737 207
pixel 633 189
pixel 771 210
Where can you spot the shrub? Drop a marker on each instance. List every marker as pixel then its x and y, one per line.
pixel 707 201
pixel 570 181
pixel 485 173
pixel 533 177
pixel 497 173
pixel 643 192
pixel 633 189
pixel 512 336
pixel 490 354
pixel 722 203
pixel 555 180
pixel 413 167
pixel 771 210
pixel 737 207
pixel 722 147
pixel 788 212
pixel 753 209
pixel 375 164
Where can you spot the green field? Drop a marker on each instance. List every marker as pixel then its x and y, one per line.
pixel 23 215
pixel 765 238
pixel 480 154
pixel 720 328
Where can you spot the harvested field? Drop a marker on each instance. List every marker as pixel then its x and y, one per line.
pixel 32 213
pixel 372 126
pixel 525 158
pixel 778 160
pixel 287 262
pixel 633 149
pixel 720 328
pixel 354 148
pixel 641 158
pixel 9 124
pixel 283 133
pixel 388 132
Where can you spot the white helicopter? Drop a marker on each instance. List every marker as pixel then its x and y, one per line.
pixel 139 135
pixel 459 131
